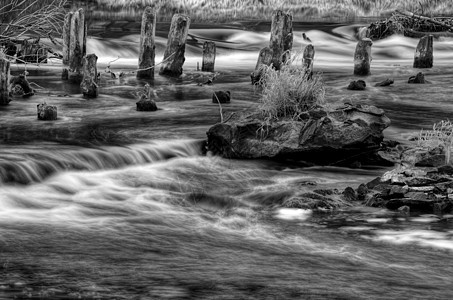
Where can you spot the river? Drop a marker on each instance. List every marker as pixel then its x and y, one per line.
pixel 111 203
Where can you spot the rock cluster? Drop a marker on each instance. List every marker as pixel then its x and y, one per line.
pixel 427 190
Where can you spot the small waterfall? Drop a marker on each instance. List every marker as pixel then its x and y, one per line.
pixel 37 164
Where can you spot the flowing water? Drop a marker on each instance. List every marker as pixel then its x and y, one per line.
pixel 111 203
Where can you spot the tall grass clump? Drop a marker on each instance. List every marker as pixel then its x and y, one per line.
pixel 289 92
pixel 440 136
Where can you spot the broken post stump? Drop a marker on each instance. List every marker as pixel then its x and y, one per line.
pixel 209 51
pixel 146 57
pixel 362 33
pixel 5 87
pixel 281 38
pixel 23 84
pixel 77 46
pixel 47 112
pixel 176 46
pixel 424 53
pixel 308 57
pixel 264 58
pixel 89 84
pixel 146 103
pixel 362 57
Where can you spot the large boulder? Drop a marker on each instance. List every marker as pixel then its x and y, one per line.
pixel 319 136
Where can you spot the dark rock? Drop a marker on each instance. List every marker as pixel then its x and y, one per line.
pixel 47 112
pixel 445 170
pixel 358 85
pixel 341 133
pixel 426 206
pixel 349 194
pixel 419 78
pixel 398 191
pixel 376 181
pixel 146 104
pixel 324 192
pixel 65 74
pixel 419 181
pixel 404 210
pixel 386 82
pixel 362 191
pixel 310 201
pixel 376 201
pixel 221 96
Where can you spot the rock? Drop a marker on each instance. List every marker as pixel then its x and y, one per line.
pixel 362 191
pixel 310 201
pixel 445 170
pixel 404 210
pixel 337 134
pixel 386 82
pixel 358 85
pixel 221 96
pixel 47 112
pixel 349 194
pixel 146 104
pixel 325 192
pixel 419 78
pixel 398 191
pixel 426 206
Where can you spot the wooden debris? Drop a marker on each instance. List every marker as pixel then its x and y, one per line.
pixel 424 53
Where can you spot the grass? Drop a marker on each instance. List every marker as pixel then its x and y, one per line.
pixel 440 136
pixel 202 10
pixel 289 92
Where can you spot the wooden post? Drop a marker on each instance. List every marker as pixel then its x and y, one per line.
pixel 89 84
pixel 47 112
pixel 424 53
pixel 264 58
pixel 287 37
pixel 308 56
pixel 146 57
pixel 362 57
pixel 77 45
pixel 209 51
pixel 66 37
pixel 363 33
pixel 5 76
pixel 176 46
pixel 281 37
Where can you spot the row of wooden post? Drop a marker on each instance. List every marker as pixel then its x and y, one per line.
pixel 81 68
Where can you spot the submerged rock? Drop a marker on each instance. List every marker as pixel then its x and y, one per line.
pixel 320 136
pixel 221 96
pixel 386 82
pixel 419 78
pixel 358 85
pixel 47 112
pixel 146 104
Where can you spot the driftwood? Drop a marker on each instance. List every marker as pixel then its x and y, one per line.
pixel 411 25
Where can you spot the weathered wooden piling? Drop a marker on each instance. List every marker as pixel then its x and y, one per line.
pixel 308 57
pixel 146 103
pixel 146 57
pixel 5 76
pixel 66 37
pixel 424 53
pixel 363 33
pixel 264 58
pixel 281 37
pixel 362 57
pixel 89 84
pixel 209 51
pixel 77 45
pixel 176 46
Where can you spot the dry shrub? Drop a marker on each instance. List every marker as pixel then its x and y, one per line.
pixel 440 136
pixel 290 91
